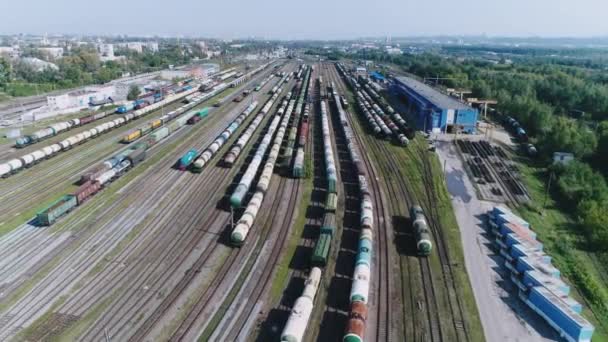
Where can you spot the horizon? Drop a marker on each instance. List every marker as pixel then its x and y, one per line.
pixel 337 20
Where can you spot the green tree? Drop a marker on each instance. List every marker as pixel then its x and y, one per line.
pixel 133 92
pixel 5 72
pixel 594 220
pixel 600 159
pixel 567 135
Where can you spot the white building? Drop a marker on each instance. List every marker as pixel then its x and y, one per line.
pixel 53 52
pixel 106 50
pixel 10 51
pixel 361 71
pixel 80 98
pixel 151 46
pixel 562 157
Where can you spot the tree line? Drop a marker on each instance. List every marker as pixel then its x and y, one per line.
pixel 562 107
pixel 83 67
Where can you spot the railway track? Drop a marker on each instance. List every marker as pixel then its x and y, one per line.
pixel 170 162
pixel 382 280
pixel 65 167
pixel 78 269
pixel 455 303
pixel 247 312
pixel 300 262
pixel 32 250
pixel 238 318
pixel 434 328
pixel 184 282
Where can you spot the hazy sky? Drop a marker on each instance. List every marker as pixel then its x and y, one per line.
pixel 303 19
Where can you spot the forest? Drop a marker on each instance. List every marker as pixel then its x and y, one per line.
pixel 562 105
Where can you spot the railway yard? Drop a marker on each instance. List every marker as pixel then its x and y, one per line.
pixel 299 207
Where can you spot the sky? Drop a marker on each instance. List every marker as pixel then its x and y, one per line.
pixel 307 19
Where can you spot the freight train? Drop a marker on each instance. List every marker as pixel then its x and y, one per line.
pixel 98 177
pixel 192 117
pixel 380 116
pixel 212 149
pixel 108 171
pixel 57 128
pixel 236 200
pixel 424 243
pixel 302 309
pixel 301 112
pixel 244 225
pixel 357 316
pixel 240 144
pixel 30 159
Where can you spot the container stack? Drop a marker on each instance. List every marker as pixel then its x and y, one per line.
pixel 538 281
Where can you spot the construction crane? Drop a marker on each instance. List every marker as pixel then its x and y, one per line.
pixel 485 103
pixel 458 92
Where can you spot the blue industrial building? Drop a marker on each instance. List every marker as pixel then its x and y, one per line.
pixel 433 110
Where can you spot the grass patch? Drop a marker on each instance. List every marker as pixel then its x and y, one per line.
pixel 33 332
pixel 411 165
pixel 73 331
pixel 279 281
pixel 25 216
pixel 567 247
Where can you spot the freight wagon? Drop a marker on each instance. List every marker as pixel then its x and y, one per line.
pixel 424 244
pixel 187 159
pixel 320 253
pixel 86 190
pixel 59 208
pixel 302 309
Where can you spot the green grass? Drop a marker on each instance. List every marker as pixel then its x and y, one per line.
pixel 566 245
pixel 279 281
pixel 409 160
pixel 32 332
pixel 25 216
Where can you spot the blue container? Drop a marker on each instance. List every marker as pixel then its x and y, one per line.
pixel 510 218
pixel 555 285
pixel 525 249
pixel 573 304
pixel 509 228
pixel 561 317
pixel 524 264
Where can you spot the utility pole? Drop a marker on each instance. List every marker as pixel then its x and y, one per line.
pixel 547 192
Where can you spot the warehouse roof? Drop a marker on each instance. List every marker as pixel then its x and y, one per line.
pixel 434 96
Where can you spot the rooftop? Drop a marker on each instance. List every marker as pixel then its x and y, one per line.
pixel 434 96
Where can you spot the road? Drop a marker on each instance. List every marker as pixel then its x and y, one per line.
pixel 504 317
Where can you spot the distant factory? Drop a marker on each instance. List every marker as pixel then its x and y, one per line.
pixel 435 111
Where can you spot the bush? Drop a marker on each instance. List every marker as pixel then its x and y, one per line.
pixel 133 93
